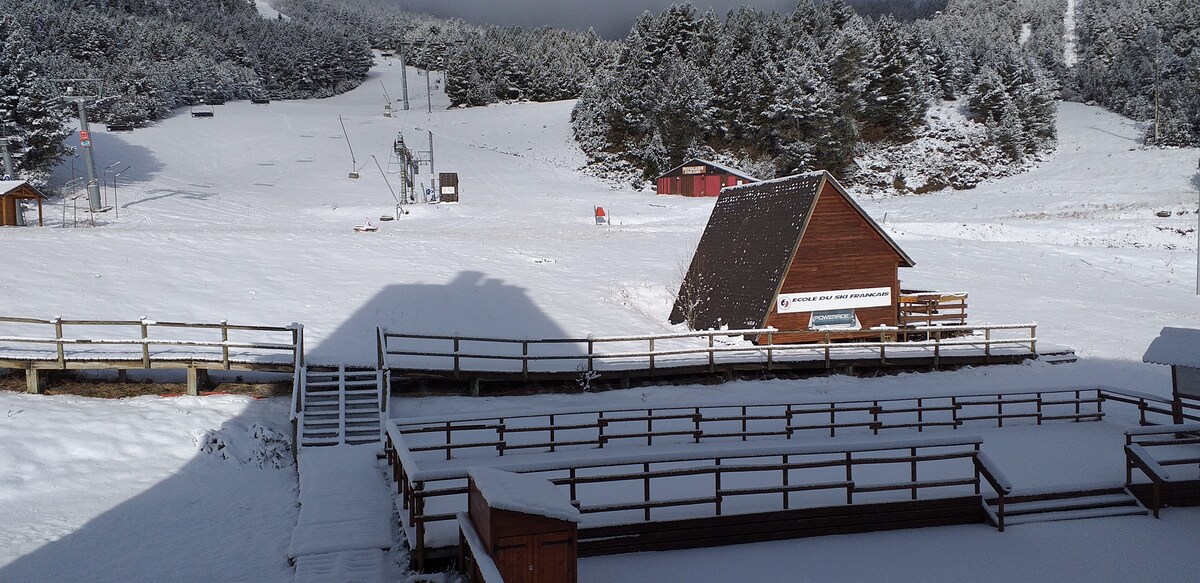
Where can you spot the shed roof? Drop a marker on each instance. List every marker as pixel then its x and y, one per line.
pixel 744 253
pixel 521 493
pixel 722 167
pixel 9 186
pixel 1175 346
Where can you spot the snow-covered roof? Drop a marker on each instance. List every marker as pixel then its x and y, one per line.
pixel 7 186
pixel 1175 346
pixel 721 167
pixel 525 494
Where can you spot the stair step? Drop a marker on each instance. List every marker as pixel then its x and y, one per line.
pixel 1026 496
pixel 1076 515
pixel 1081 503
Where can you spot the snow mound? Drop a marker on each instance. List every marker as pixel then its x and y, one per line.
pixel 257 446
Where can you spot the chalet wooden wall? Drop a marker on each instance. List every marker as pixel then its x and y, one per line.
pixel 838 250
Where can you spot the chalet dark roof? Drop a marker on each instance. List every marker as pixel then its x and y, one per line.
pixel 746 249
pixel 721 167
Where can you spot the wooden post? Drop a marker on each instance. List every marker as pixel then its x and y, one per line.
pixel 225 345
pixel 33 380
pixel 146 346
pixel 58 335
pixel 1033 339
pixel 849 478
pixel 474 388
pixel 712 364
pixel 652 357
pixel 827 363
pixel 770 345
pixel 197 378
pixel 525 359
pixel 591 353
pixel 987 345
pixel 913 452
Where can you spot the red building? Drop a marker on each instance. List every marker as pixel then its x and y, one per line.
pixel 698 177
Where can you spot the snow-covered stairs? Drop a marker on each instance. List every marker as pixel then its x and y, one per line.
pixel 340 406
pixel 1050 507
pixel 346 526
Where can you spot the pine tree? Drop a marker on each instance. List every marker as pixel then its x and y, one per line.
pixel 29 107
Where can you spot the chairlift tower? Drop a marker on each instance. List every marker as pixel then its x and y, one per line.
pixel 73 90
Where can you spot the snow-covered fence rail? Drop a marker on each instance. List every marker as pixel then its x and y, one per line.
pixel 517 432
pixel 698 350
pixel 636 487
pixel 36 345
pixel 1148 404
pixel 1152 450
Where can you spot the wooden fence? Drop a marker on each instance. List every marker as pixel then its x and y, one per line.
pixel 926 308
pixel 1143 452
pixel 642 486
pixel 36 345
pixel 708 350
pixel 452 437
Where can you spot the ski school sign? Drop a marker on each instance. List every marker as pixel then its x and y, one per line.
pixel 834 300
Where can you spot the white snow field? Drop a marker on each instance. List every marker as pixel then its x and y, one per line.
pixel 248 217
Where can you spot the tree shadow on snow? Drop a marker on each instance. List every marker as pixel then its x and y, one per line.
pixel 113 152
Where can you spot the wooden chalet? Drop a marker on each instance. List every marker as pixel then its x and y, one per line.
pixel 13 191
pixel 796 254
pixel 698 177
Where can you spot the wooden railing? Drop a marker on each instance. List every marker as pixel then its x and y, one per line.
pixel 635 489
pixel 1000 484
pixel 704 348
pixel 1140 441
pixel 1152 405
pixel 134 341
pixel 446 437
pixel 930 308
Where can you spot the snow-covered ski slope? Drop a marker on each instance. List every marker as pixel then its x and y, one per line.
pixel 248 217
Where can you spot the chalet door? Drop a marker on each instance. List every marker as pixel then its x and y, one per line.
pixel 554 559
pixel 712 185
pixel 539 558
pixel 687 186
pixel 514 559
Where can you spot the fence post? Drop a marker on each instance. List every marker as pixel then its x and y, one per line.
pixel 882 356
pixel 937 349
pixel 987 345
pixel 225 343
pixel 913 452
pixel 457 369
pixel 712 364
pixel 849 478
pixel 525 359
pixel 145 344
pixel 1033 339
pixel 652 356
pixel 770 346
pixel 827 363
pixel 591 353
pixel 58 336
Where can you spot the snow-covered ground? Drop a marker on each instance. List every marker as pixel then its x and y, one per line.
pixel 248 217
pixel 145 489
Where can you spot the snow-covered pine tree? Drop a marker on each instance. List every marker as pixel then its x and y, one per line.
pixel 30 110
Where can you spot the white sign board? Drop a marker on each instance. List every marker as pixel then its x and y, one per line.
pixel 842 299
pixel 693 170
pixel 448 189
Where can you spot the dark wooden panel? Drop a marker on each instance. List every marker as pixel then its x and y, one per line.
pixel 1179 494
pixel 514 559
pixel 747 528
pixel 554 558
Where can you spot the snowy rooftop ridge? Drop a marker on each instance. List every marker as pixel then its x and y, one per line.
pixel 1176 347
pixel 719 166
pixel 773 180
pixel 7 186
pixel 525 494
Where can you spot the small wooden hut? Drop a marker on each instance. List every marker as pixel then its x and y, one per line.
pixel 529 527
pixel 13 191
pixel 448 187
pixel 698 177
pixel 796 254
pixel 1179 348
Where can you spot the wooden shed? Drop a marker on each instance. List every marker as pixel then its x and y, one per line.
pixel 797 254
pixel 698 177
pixel 448 187
pixel 13 191
pixel 1179 348
pixel 529 527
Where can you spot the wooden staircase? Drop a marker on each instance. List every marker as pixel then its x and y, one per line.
pixel 1049 507
pixel 340 406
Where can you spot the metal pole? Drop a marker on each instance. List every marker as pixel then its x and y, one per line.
pixel 9 173
pixel 93 187
pixel 428 92
pixel 404 75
